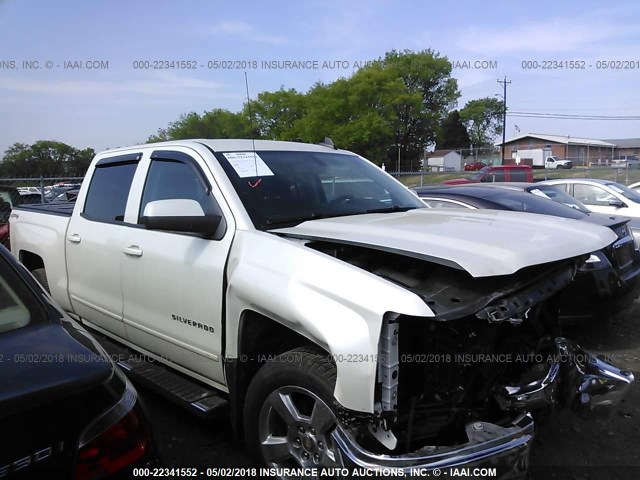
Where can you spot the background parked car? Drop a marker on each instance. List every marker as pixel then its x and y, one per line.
pixel 68 196
pixel 609 280
pixel 470 167
pixel 59 189
pixel 626 161
pixel 66 411
pixel 497 173
pixel 635 187
pixel 10 197
pixel 602 196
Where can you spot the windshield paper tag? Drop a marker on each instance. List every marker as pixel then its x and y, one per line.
pixel 248 164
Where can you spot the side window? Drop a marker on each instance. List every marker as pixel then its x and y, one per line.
pixel 592 195
pixel 438 203
pixel 494 176
pixel 518 175
pixel 109 190
pixel 169 179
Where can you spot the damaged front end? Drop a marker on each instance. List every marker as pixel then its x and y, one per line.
pixel 463 388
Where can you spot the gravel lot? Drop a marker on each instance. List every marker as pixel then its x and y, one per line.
pixel 565 447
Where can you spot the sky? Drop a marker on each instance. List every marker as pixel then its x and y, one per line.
pixel 116 99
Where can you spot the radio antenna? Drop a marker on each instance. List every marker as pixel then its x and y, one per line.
pixel 253 140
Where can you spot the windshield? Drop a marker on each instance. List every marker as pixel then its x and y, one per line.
pixel 480 173
pixel 293 187
pixel 557 195
pixel 525 202
pixel 626 192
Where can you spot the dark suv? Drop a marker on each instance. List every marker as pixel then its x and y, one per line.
pixel 66 411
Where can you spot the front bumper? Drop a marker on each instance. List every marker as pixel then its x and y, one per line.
pixel 574 378
pixel 489 445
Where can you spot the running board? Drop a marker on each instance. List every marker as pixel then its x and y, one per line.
pixel 189 394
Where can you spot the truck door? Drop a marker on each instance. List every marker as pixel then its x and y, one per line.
pixel 173 282
pixel 93 243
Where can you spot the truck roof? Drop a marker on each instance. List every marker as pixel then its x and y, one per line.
pixel 236 145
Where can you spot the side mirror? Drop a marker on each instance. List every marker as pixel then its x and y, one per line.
pixel 179 215
pixel 614 202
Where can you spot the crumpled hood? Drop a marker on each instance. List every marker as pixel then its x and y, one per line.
pixel 482 242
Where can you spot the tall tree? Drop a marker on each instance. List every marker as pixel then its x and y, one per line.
pixel 48 158
pixel 452 133
pixel 275 113
pixel 217 123
pixel 483 119
pixel 427 75
pixel 393 105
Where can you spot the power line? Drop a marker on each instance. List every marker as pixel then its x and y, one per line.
pixel 569 116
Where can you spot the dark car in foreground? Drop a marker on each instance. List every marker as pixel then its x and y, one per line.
pixel 65 410
pixel 605 284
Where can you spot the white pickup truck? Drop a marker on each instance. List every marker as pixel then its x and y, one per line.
pixel 342 322
pixel 541 158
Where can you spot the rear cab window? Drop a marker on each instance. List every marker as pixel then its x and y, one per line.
pixel 109 188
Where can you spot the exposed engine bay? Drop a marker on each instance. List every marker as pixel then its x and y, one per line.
pixel 492 353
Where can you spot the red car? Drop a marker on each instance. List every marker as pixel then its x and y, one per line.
pixel 474 166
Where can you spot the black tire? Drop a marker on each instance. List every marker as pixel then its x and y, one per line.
pixel 41 276
pixel 305 378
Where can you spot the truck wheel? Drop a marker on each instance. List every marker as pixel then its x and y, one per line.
pixel 289 412
pixel 559 167
pixel 41 276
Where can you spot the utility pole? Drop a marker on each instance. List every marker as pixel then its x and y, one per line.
pixel 504 84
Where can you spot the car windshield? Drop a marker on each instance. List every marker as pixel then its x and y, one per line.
pixel 625 191
pixel 480 173
pixel 557 195
pixel 286 188
pixel 525 202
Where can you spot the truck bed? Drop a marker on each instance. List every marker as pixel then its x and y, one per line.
pixel 63 209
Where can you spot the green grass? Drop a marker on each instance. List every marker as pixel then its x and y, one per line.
pixel 604 173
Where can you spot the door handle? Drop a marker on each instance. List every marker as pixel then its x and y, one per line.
pixel 74 238
pixel 133 251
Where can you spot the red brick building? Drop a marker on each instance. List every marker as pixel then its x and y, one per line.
pixel 582 151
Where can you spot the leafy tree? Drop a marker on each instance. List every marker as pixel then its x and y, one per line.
pixel 45 158
pixel 275 114
pixel 357 113
pixel 394 103
pixel 217 123
pixel 483 119
pixel 452 133
pixel 426 76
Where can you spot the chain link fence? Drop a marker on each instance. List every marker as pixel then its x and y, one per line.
pixel 626 175
pixel 36 189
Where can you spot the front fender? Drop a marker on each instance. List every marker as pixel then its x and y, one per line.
pixel 334 304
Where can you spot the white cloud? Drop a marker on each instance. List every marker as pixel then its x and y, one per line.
pixel 551 35
pixel 163 84
pixel 241 30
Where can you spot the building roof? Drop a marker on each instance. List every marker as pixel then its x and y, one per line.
pixel 625 142
pixel 563 139
pixel 439 153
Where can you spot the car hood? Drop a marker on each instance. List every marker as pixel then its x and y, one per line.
pixel 482 242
